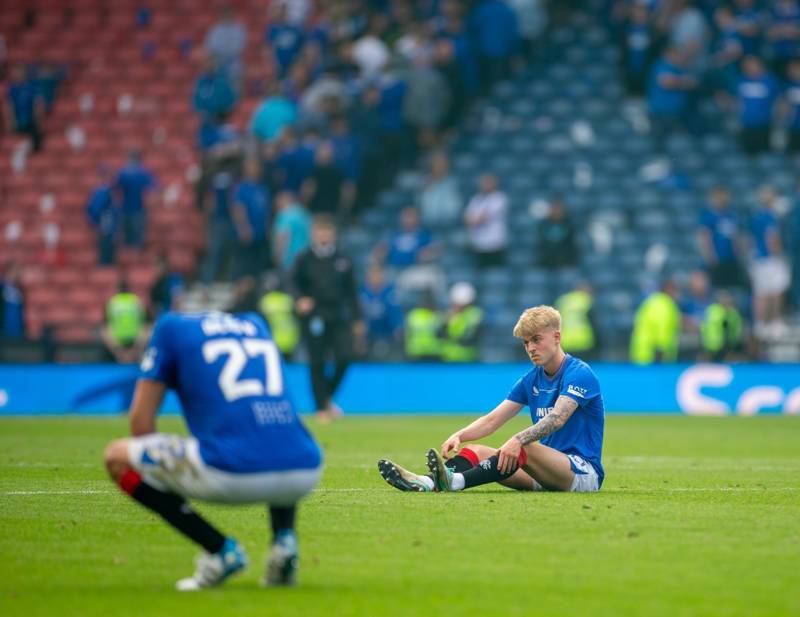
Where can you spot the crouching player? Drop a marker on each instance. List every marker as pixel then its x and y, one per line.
pixel 560 452
pixel 247 444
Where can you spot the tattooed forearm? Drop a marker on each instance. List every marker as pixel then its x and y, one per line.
pixel 550 423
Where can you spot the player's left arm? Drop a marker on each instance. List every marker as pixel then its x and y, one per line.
pixel 146 401
pixel 510 450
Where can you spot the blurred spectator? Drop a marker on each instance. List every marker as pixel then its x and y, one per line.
pixel 250 213
pixel 411 251
pixel 346 149
pixel 578 324
pixel 125 332
pixel 213 93
pixel 637 48
pixel 726 53
pixel 793 247
pixel 12 304
pixel 532 21
pixel 749 24
pixel 328 305
pixel 426 102
pixel 277 307
pixel 366 122
pixel 134 181
pixel 327 190
pixel 792 101
pixel 718 240
pixel 423 329
pixel 322 100
pixel 221 147
pixel 556 245
pixel 273 114
pixel 24 107
pixel 166 291
pixel 396 142
pixel 657 327
pixel 769 271
pixel 219 225
pixel 48 78
pixel 370 53
pixel 285 37
pixel 669 89
pixel 783 33
pixel 383 316
pixel 688 31
pixel 494 31
pixel 440 200
pixel 291 230
pixel 295 160
pixel 756 93
pixel 486 219
pixel 462 330
pixel 447 67
pixel 225 41
pixel 453 30
pixel 103 213
pixel 245 295
pixel 697 299
pixel 414 45
pixel 722 330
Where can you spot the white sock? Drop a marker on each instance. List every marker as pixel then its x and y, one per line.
pixel 426 481
pixel 458 482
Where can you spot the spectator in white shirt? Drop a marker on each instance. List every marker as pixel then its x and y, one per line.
pixel 486 218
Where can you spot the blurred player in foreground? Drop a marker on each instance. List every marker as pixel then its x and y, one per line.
pixel 247 444
pixel 560 452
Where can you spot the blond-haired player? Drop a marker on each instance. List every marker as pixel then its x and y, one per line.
pixel 561 451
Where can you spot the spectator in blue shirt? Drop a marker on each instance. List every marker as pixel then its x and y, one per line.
pixel 756 93
pixel 213 93
pixel 285 38
pixel 383 316
pixel 295 160
pixel 749 25
pixel 251 217
pixel 769 272
pixel 495 34
pixel 725 54
pixel 273 114
pixel 453 29
pixel 48 78
pixel 694 303
pixel 346 149
pixel 718 240
pixel 134 181
pixel 24 107
pixel 668 93
pixel 791 94
pixel 166 291
pixel 408 246
pixel 784 34
pixel 103 212
pixel 637 49
pixel 12 304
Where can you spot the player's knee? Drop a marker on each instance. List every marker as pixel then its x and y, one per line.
pixel 115 457
pixel 481 451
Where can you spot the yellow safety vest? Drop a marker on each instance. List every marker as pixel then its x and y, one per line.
pixel 422 333
pixel 576 330
pixel 721 325
pixel 277 308
pixel 125 316
pixel 461 327
pixel 656 327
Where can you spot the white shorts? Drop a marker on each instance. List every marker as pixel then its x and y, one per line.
pixel 586 479
pixel 173 463
pixel 770 276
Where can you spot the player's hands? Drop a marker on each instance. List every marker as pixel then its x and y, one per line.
pixel 453 444
pixel 305 305
pixel 508 455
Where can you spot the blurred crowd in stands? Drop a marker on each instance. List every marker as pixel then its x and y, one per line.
pixel 354 91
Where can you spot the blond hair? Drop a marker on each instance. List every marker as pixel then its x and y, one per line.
pixel 536 319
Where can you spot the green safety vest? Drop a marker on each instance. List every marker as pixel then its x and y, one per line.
pixel 656 326
pixel 422 333
pixel 461 327
pixel 277 308
pixel 722 326
pixel 576 329
pixel 125 317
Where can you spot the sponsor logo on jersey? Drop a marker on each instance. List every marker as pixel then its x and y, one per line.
pixel 577 391
pixel 541 412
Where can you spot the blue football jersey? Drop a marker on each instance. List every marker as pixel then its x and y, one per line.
pixel 227 373
pixel 583 432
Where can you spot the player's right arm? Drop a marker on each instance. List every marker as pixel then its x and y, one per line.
pixel 482 427
pixel 146 402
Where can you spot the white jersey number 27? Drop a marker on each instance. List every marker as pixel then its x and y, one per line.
pixel 239 353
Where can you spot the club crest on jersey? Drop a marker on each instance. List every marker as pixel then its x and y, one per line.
pixel 535 391
pixel 581 392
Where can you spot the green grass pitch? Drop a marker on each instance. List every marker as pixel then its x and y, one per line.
pixel 698 516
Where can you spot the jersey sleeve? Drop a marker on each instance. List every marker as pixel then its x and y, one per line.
pixel 581 385
pixel 159 361
pixel 517 393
